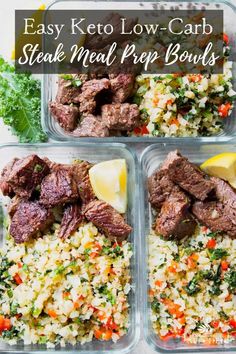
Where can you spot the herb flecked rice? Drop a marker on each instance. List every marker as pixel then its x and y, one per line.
pixel 65 291
pixel 193 287
pixel 185 105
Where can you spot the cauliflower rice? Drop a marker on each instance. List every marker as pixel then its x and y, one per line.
pixel 193 287
pixel 58 291
pixel 184 105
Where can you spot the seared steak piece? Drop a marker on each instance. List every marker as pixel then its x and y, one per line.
pixel 27 174
pixel 71 220
pixel 224 192
pixel 187 175
pixel 174 220
pixel 84 186
pixel 90 90
pixel 107 219
pixel 160 187
pixel 4 185
pixel 121 86
pixel 13 205
pixel 91 126
pixel 216 217
pixel 97 41
pixel 29 218
pixel 67 93
pixel 121 116
pixel 66 116
pixel 59 187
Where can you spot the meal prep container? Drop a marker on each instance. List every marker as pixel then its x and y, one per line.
pixel 151 159
pixel 49 83
pixel 66 153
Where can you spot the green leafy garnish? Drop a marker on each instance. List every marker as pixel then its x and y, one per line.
pixel 217 253
pixel 20 104
pixel 230 278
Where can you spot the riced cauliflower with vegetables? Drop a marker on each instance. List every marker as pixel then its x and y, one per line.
pixel 184 105
pixel 56 291
pixel 193 287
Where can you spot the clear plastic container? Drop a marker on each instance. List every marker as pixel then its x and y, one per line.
pixel 95 153
pixel 151 159
pixel 49 84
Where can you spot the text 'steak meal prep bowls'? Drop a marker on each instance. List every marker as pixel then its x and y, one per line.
pixel 66 153
pixel 49 84
pixel 151 159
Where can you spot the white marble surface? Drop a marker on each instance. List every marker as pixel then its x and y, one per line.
pixel 7 9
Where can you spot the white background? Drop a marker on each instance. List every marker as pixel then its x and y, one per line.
pixel 7 8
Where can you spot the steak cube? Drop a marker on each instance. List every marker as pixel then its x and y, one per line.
pixel 174 220
pixel 66 116
pixel 121 116
pixel 29 219
pixel 187 175
pixel 91 126
pixel 90 90
pixel 4 185
pixel 224 192
pixel 160 187
pixel 67 93
pixel 59 187
pixel 107 219
pixel 84 186
pixel 216 217
pixel 27 174
pixel 71 220
pixel 121 86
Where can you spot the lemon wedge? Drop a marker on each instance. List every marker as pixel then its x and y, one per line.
pixel 222 166
pixel 109 183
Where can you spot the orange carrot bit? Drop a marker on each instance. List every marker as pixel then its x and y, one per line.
pixel 103 334
pixel 224 265
pixel 98 246
pixel 211 243
pixel 151 292
pixel 175 121
pixel 88 245
pixel 168 336
pixel 5 324
pixel 17 279
pixel 66 294
pixel 111 324
pixel 158 283
pixel 52 313
pixel 215 324
pixel 101 315
pixel 94 255
pixel 77 304
pixel 182 320
pixel 173 267
pixel 20 265
pixel 192 261
pixel 168 102
pixel 228 298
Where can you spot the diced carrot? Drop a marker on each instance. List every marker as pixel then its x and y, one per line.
pixel 173 267
pixel 52 313
pixel 223 109
pixel 182 320
pixel 107 335
pixel 112 271
pixel 66 294
pixel 180 331
pixel 93 254
pixel 168 336
pixel 158 283
pixel 195 77
pixel 20 265
pixel 191 263
pixel 211 243
pixel 228 298
pixel 232 323
pixel 224 265
pixel 6 324
pixel 151 292
pixel 17 279
pixel 101 315
pixel 173 309
pixel 226 38
pixel 97 333
pixel 111 324
pixel 175 121
pixel 155 101
pixel 215 324
pixel 1 322
pixel 169 102
pixel 98 246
